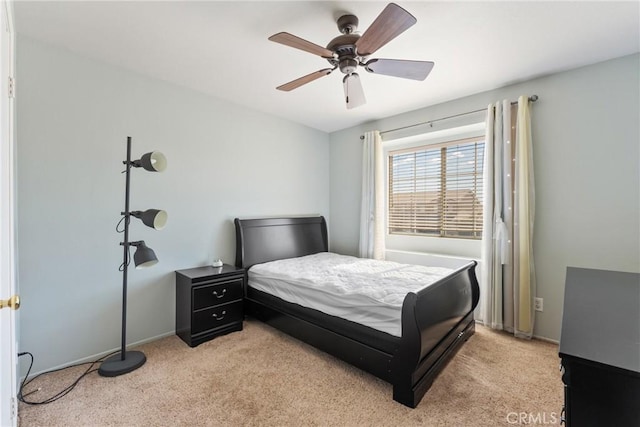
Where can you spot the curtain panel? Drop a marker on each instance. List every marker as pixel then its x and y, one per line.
pixel 508 281
pixel 372 204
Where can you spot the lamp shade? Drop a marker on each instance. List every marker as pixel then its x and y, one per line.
pixel 353 93
pixel 154 218
pixel 154 161
pixel 144 256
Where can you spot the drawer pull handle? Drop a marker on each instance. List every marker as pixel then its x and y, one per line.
pixel 221 315
pixel 224 291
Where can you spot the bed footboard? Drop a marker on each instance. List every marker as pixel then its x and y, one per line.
pixel 436 321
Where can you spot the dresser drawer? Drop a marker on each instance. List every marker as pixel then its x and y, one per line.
pixel 219 293
pixel 217 316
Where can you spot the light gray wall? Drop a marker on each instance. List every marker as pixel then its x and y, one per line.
pixel 586 142
pixel 73 117
pixel 74 114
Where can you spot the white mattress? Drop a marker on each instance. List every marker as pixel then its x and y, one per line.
pixel 364 291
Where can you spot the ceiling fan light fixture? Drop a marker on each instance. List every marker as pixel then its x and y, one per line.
pixel 353 93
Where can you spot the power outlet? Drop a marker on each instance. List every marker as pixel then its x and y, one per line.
pixel 538 304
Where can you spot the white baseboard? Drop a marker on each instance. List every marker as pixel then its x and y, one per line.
pixel 538 337
pixel 99 355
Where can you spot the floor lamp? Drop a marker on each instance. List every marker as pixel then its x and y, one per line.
pixel 127 361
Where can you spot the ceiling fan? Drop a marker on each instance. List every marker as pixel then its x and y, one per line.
pixel 350 50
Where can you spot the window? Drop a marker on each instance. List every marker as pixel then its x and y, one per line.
pixel 436 190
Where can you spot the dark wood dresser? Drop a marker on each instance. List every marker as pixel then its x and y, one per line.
pixel 600 348
pixel 209 302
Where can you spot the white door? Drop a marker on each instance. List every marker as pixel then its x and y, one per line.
pixel 8 344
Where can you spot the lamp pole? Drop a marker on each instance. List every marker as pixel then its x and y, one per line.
pixel 126 361
pixel 125 258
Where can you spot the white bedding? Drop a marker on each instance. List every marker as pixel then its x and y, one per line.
pixel 364 291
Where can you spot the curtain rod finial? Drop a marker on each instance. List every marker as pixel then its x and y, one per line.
pixel 533 98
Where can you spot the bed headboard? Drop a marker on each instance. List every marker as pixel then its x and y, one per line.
pixel 268 239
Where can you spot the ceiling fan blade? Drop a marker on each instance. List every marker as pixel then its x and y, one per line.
pixel 302 44
pixel 305 79
pixel 353 93
pixel 415 70
pixel 391 22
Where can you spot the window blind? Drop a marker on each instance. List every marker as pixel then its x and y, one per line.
pixel 437 190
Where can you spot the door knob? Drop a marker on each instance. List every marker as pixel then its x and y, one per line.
pixel 13 302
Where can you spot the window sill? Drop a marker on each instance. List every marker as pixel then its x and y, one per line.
pixel 466 248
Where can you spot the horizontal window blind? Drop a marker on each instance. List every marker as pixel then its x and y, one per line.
pixel 437 190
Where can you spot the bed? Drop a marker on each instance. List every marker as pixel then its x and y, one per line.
pixel 435 320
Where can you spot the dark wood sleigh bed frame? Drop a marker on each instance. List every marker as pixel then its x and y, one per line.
pixel 436 320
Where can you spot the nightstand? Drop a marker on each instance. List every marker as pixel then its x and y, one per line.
pixel 208 302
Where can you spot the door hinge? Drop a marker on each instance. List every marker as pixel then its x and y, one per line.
pixel 12 87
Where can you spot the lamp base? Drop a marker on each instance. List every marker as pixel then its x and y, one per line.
pixel 114 365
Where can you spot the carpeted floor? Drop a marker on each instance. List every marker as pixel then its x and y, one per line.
pixel 261 377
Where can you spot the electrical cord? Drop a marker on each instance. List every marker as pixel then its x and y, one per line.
pixel 118 229
pixel 121 268
pixel 121 230
pixel 63 392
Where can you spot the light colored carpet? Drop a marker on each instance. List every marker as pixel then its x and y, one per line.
pixel 260 376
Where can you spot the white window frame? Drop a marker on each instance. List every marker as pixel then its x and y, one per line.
pixel 430 244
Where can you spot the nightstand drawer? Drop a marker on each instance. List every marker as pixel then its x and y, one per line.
pixel 207 296
pixel 219 315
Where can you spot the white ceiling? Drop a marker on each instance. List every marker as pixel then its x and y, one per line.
pixel 221 48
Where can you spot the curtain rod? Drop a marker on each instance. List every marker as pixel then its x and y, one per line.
pixel 532 98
